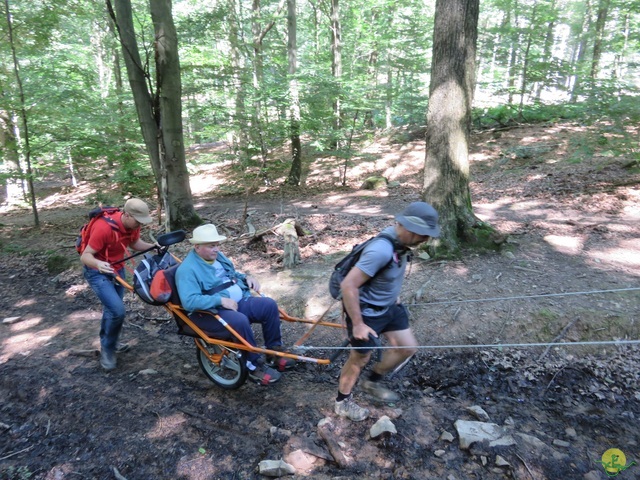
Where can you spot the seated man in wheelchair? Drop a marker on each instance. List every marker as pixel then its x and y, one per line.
pixel 207 280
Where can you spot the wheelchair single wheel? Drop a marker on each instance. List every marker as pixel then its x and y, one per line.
pixel 224 367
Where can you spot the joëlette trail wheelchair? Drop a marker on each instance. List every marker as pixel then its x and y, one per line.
pixel 222 361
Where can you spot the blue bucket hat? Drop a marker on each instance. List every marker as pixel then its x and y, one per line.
pixel 420 218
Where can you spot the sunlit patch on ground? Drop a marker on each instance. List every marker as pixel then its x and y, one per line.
pixel 565 244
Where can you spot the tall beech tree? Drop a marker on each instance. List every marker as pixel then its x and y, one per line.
pixel 295 173
pixel 24 121
pixel 159 107
pixel 446 173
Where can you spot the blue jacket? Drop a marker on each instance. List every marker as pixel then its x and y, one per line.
pixel 195 276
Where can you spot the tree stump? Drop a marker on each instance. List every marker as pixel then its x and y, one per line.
pixel 291 255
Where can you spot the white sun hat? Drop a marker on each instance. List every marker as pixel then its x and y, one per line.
pixel 206 234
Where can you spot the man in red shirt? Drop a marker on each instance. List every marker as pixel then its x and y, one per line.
pixel 102 258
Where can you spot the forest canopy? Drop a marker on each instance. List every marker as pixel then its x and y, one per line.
pixel 360 67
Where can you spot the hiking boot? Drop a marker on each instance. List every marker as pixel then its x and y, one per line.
pixel 107 359
pixel 350 409
pixel 264 375
pixel 375 389
pixel 122 347
pixel 280 363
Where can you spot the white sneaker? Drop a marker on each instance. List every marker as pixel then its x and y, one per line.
pixel 350 409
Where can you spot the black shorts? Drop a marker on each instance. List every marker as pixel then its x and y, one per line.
pixel 394 319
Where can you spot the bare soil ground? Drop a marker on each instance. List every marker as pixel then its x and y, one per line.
pixel 568 272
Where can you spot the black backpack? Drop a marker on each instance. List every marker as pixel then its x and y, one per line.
pixel 149 280
pixel 343 267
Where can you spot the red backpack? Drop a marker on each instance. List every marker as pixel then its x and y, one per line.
pixel 95 215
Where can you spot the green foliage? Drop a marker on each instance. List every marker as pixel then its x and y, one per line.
pixel 78 114
pixel 134 177
pixel 105 197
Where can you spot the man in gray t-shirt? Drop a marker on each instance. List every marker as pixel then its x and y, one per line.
pixel 370 297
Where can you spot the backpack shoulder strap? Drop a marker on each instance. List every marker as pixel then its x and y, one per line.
pixel 113 224
pixel 397 248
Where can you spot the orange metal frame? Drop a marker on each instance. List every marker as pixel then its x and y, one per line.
pixel 241 343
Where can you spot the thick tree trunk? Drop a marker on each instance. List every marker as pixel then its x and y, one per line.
pixel 160 115
pixel 179 205
pixel 446 178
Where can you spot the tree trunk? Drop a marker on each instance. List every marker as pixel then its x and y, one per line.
pixel 12 190
pixel 291 256
pixel 578 65
pixel 241 139
pixel 119 86
pixel 389 96
pixel 26 147
pixel 160 114
pixel 295 173
pixel 258 36
pixel 140 83
pixel 525 59
pixel 178 203
pixel 513 57
pixel 446 177
pixel 547 50
pixel 603 12
pixel 336 69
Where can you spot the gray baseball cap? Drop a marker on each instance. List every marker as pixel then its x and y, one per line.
pixel 420 218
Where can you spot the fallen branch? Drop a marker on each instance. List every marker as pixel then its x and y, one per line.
pixel 84 353
pixel 333 446
pixel 16 453
pixel 258 235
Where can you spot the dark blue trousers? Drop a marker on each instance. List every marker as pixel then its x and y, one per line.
pixel 262 310
pixel 110 293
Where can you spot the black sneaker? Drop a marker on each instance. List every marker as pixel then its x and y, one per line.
pixel 264 375
pixel 280 363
